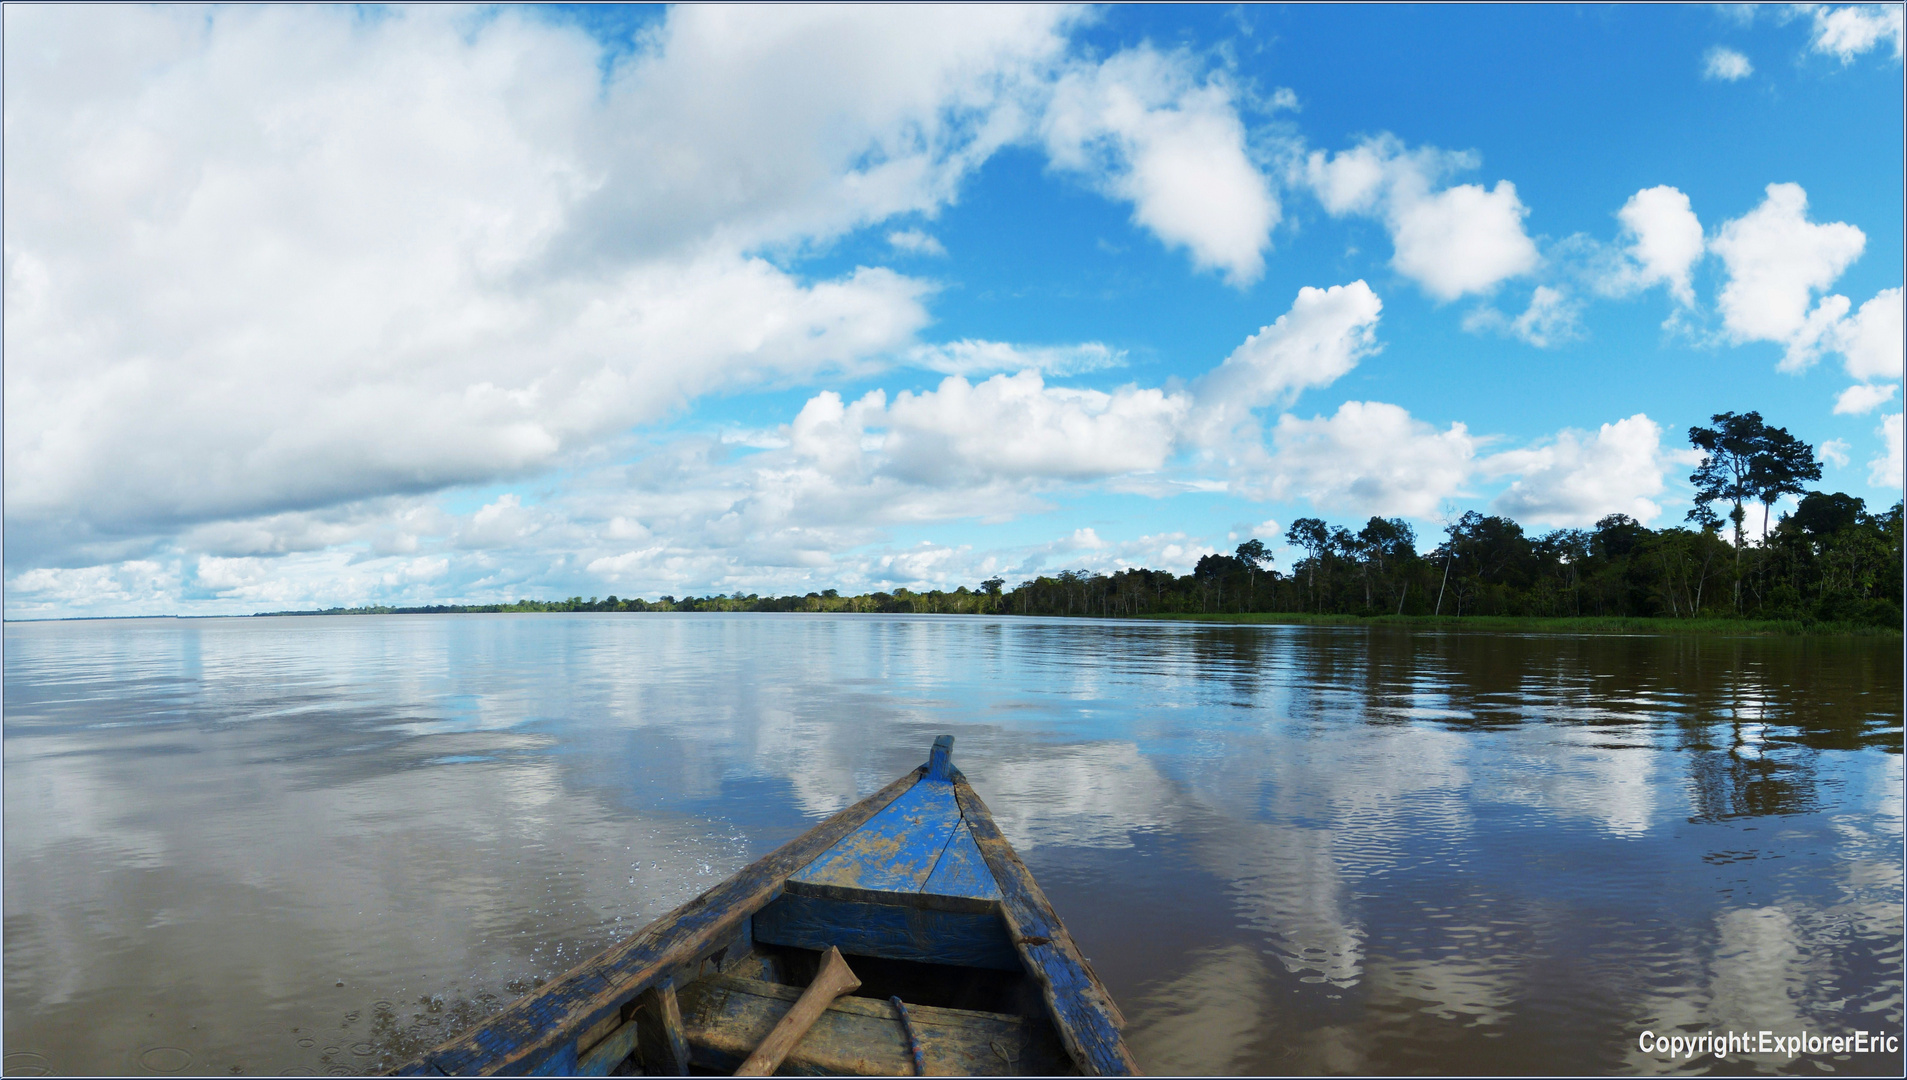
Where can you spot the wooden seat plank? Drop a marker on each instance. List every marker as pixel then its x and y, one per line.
pixel 725 1017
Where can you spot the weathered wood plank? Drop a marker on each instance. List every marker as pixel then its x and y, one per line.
pixel 560 1063
pixel 927 900
pixel 891 931
pixel 663 1047
pixel 962 871
pixel 897 848
pixel 1083 1011
pixel 517 1039
pixel 727 1016
pixel 834 979
pixel 609 1052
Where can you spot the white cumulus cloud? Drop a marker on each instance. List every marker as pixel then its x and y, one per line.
pixel 1553 317
pixel 915 242
pixel 1016 426
pixel 1577 478
pixel 1871 340
pixel 1148 132
pixel 1725 64
pixel 1862 398
pixel 969 356
pixel 1451 241
pixel 1847 32
pixel 1662 243
pixel 1777 260
pixel 268 259
pixel 1314 344
pixel 1369 458
pixel 1884 470
pixel 1006 428
pixel 1464 239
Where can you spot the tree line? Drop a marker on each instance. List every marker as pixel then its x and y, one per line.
pixel 1830 560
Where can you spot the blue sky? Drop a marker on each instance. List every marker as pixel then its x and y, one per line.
pixel 339 306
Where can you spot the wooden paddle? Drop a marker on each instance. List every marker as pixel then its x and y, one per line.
pixel 834 979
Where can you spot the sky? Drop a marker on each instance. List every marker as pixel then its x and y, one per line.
pixel 335 306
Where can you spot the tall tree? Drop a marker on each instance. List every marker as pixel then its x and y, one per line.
pixel 1726 474
pixel 1780 465
pixel 1314 536
pixel 1384 543
pixel 1253 554
pixel 1728 461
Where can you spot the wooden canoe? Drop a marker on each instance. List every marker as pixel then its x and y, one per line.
pixel 926 901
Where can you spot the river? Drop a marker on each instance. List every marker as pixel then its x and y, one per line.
pixel 319 844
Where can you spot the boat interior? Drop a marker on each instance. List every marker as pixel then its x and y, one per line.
pixel 909 901
pixel 954 965
pixel 969 1020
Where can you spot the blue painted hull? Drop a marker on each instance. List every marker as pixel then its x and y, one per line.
pixel 917 888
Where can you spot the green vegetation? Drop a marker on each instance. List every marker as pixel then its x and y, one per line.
pixel 1562 624
pixel 1829 567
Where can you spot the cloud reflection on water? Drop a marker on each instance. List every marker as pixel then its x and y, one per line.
pixel 1289 849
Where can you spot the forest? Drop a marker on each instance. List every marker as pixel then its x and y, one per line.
pixel 1829 561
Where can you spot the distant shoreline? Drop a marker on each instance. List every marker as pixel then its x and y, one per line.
pixel 1577 624
pixel 1586 624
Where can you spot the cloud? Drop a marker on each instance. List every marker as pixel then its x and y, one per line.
pixel 1452 242
pixel 1834 452
pixel 914 242
pixel 786 125
pixel 834 435
pixel 272 259
pixel 503 523
pixel 1576 479
pixel 1551 318
pixel 1017 427
pixel 1777 260
pixel 1862 398
pixel 1884 469
pixel 805 505
pixel 1008 427
pixel 969 356
pixel 1462 240
pixel 1147 132
pixel 1847 32
pixel 1871 341
pixel 1369 458
pixel 1314 344
pixel 1664 242
pixel 132 587
pixel 1721 62
pixel 271 264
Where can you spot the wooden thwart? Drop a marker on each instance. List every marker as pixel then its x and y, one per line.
pixel 725 1016
pixel 834 979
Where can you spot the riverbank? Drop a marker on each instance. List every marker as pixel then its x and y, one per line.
pixel 1586 624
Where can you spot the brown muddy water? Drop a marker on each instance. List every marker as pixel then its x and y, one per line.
pixel 318 845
